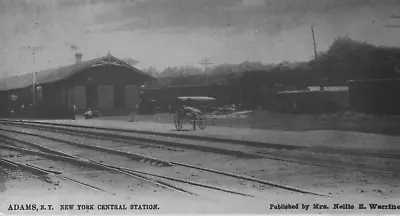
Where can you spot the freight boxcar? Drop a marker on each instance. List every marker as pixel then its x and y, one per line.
pixel 375 96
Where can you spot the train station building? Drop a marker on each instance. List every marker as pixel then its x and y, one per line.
pixel 105 83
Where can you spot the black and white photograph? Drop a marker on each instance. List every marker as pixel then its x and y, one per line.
pixel 199 107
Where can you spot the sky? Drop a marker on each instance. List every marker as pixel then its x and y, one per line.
pixel 41 34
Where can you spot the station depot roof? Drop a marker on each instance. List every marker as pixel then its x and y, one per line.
pixel 58 74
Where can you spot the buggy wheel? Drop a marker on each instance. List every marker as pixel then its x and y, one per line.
pixel 178 122
pixel 202 122
pixel 194 124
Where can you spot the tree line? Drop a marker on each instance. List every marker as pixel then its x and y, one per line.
pixel 346 59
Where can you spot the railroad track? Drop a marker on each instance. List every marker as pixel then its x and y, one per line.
pixel 304 155
pixel 49 176
pixel 69 127
pixel 153 161
pixel 149 142
pixel 20 158
pixel 10 144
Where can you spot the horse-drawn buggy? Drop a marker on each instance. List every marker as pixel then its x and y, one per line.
pixel 192 110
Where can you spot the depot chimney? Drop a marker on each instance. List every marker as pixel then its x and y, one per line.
pixel 78 57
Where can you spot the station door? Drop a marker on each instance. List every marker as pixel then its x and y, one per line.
pixel 79 97
pixel 131 96
pixel 105 97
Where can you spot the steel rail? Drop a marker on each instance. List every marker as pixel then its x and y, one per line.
pixel 214 139
pixel 271 156
pixel 124 170
pixel 123 138
pixel 90 163
pixel 281 186
pixel 47 173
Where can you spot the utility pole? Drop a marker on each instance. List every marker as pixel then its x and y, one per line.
pixel 206 62
pixel 34 49
pixel 315 45
pixel 316 58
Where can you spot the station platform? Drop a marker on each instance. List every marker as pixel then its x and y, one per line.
pixel 309 138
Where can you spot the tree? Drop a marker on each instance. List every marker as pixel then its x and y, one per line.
pixel 349 59
pixel 345 59
pixel 151 71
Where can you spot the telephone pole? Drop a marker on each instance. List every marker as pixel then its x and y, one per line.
pixel 205 63
pixel 34 49
pixel 316 58
pixel 315 45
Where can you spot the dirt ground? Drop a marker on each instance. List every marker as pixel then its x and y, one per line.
pixel 344 186
pixel 366 133
pixel 39 193
pixel 265 120
pixel 347 188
